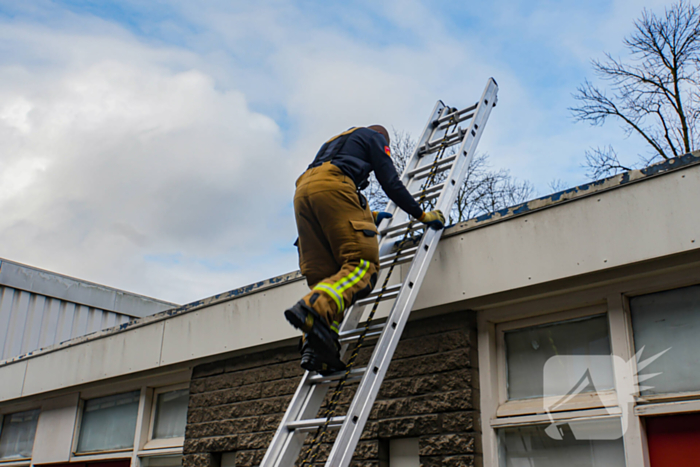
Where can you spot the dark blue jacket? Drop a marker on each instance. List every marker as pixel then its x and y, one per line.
pixel 358 152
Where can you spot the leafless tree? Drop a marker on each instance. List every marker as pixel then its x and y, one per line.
pixel 484 190
pixel 654 95
pixel 556 185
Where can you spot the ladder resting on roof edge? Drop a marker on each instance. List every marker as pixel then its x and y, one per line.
pixel 434 172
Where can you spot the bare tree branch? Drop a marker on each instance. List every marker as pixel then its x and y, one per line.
pixel 483 191
pixel 655 94
pixel 603 162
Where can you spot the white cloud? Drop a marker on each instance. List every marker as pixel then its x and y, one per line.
pixel 121 158
pixel 154 167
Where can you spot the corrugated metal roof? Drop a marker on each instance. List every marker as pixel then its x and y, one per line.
pixel 40 309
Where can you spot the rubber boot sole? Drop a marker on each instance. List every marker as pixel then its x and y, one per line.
pixel 320 336
pixel 325 365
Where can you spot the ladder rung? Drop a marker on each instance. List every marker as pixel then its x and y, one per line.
pixel 391 256
pixel 428 198
pixel 389 293
pixel 446 140
pixel 400 260
pixel 355 373
pixel 422 172
pixel 400 227
pixel 403 256
pixel 428 191
pixel 458 119
pixel 398 233
pixel 371 299
pixel 355 333
pixel 369 335
pixel 314 423
pixel 445 118
pixel 424 152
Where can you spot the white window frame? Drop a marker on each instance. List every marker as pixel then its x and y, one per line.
pixel 534 406
pixel 497 412
pixel 636 447
pixel 146 385
pixel 111 453
pixel 9 410
pixel 162 443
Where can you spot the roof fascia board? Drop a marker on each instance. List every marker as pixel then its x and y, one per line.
pixel 577 193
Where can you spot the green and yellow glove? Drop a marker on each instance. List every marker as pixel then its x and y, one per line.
pixel 379 216
pixel 433 219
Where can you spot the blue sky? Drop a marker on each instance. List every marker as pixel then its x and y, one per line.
pixel 153 146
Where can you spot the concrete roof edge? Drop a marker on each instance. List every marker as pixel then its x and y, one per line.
pixel 576 193
pixel 163 315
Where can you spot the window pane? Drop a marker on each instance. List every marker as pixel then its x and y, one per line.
pixel 668 320
pixel 404 452
pixel 109 422
pixel 171 414
pixel 570 444
pixel 529 349
pixel 17 435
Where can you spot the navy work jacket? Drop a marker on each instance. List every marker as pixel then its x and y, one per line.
pixel 362 152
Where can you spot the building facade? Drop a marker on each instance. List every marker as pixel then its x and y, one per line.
pixel 39 309
pixel 558 332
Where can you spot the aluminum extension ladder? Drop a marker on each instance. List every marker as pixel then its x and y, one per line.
pixel 447 127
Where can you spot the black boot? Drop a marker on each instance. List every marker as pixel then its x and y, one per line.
pixel 327 364
pixel 319 334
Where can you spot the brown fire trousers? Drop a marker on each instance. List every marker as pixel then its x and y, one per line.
pixel 338 250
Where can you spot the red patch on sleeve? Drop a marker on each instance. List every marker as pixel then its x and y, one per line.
pixel 387 151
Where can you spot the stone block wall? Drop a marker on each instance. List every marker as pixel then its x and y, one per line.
pixel 429 393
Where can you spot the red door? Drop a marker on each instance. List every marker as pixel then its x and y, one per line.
pixel 674 441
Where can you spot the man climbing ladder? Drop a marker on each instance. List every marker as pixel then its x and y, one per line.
pixel 433 175
pixel 338 249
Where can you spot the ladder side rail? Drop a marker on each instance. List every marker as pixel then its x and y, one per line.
pixel 361 405
pixel 305 403
pixel 419 159
pixel 414 161
pixel 468 147
pixel 309 397
pixel 307 400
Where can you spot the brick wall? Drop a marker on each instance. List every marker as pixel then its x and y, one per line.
pixel 236 404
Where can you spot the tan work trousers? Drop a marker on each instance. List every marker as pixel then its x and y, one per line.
pixel 338 250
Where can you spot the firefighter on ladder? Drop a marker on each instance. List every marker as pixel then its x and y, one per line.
pixel 338 249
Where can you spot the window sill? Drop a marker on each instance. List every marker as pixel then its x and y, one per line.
pixel 99 455
pixel 668 407
pixel 16 462
pixel 549 404
pixel 668 397
pixel 172 451
pixel 524 420
pixel 165 443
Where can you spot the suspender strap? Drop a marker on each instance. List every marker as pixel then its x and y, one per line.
pixel 333 147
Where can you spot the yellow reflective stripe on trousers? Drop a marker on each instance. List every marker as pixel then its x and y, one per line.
pixel 336 290
pixel 356 276
pixel 337 298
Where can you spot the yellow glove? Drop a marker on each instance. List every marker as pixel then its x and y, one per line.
pixel 433 219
